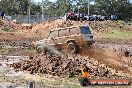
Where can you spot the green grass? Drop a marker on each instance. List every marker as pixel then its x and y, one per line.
pixel 117 34
pixel 3 50
pixel 6 29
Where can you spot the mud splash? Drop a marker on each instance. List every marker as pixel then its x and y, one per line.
pixel 111 56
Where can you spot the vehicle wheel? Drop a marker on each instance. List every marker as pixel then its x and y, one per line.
pixel 72 48
pixel 41 50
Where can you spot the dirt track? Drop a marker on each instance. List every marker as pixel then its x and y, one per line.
pixel 101 53
pixel 100 57
pixel 109 58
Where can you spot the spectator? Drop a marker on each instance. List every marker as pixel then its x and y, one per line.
pixel 81 17
pixel 3 15
pixel 0 13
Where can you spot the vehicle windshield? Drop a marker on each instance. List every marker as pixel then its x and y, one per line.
pixel 85 30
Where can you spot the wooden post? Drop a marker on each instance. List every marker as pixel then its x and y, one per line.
pixel 31 84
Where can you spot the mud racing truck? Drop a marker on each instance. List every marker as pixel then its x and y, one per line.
pixel 69 39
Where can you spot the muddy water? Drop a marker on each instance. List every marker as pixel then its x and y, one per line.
pixel 6 60
pixel 111 55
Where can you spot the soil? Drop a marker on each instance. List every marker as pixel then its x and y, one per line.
pixel 69 66
pixel 107 58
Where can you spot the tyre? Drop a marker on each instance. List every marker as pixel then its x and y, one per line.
pixel 72 48
pixel 41 50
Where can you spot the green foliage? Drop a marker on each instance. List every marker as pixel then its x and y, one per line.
pixel 117 34
pixel 35 9
pixel 6 29
pixel 122 8
pixel 12 7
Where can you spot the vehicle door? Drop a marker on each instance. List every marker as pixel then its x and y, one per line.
pixel 74 33
pixel 63 36
pixel 52 37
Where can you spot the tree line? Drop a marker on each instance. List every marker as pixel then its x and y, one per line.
pixel 121 8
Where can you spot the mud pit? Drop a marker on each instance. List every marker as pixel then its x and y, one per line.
pixel 106 61
pixel 109 58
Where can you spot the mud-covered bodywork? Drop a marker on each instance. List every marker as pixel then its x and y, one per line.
pixel 69 37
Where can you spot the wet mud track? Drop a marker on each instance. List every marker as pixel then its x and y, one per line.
pixel 7 60
pixel 108 60
pixel 116 56
pixel 22 43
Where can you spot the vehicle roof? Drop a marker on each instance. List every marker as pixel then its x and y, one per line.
pixel 57 29
pixel 66 28
pixel 71 27
pixel 83 25
pixel 76 26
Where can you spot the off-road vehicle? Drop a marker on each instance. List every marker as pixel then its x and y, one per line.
pixel 68 38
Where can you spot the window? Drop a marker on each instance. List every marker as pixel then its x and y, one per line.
pixel 63 32
pixel 85 30
pixel 74 31
pixel 53 34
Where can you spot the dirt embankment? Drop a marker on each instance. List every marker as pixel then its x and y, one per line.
pixel 9 25
pixel 15 31
pixel 11 30
pixel 13 26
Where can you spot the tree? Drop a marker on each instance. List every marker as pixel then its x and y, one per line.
pixel 122 8
pixel 35 9
pixel 12 7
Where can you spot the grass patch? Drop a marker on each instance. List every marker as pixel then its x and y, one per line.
pixel 3 50
pixel 6 29
pixel 117 34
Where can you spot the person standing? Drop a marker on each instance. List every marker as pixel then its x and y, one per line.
pixel 0 12
pixel 3 15
pixel 84 79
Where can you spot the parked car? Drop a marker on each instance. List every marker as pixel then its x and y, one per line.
pixel 112 17
pixel 92 18
pixel 102 18
pixel 86 17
